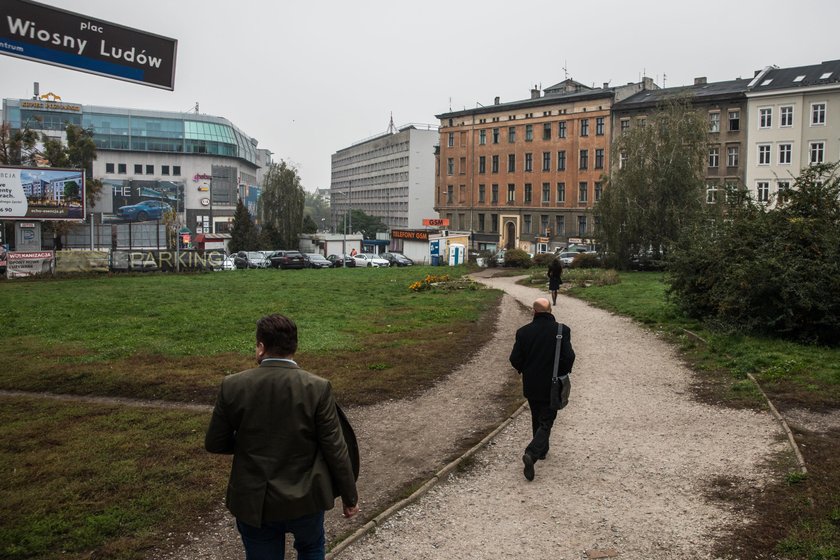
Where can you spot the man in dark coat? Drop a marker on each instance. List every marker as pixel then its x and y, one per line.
pixel 290 459
pixel 533 357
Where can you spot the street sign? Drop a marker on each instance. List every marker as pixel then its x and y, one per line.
pixel 435 222
pixel 54 36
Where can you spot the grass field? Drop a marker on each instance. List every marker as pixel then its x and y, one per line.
pixel 796 518
pixel 87 480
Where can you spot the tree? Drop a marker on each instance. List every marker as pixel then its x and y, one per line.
pixel 78 153
pixel 316 208
pixel 243 232
pixel 281 205
pixel 367 225
pixel 309 225
pixel 659 188
pixel 18 147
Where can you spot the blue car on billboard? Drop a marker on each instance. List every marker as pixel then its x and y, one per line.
pixel 142 211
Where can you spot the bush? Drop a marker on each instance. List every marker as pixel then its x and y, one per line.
pixel 517 258
pixel 767 270
pixel 586 260
pixel 543 259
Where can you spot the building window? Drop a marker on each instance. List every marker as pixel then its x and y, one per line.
pixel 109 168
pixel 584 159
pixel 511 193
pixel 450 166
pixel 816 152
pixel 495 135
pixel 764 154
pixel 599 188
pixel 714 157
pixel 546 161
pixel 732 156
pixel 599 158
pixel 138 169
pixel 450 194
pixel 451 141
pixel 546 131
pixel 511 163
pixel 817 114
pixel 763 191
pixel 544 225
pixel 625 125
pixel 482 137
pixel 494 194
pixel 734 121
pixel 494 164
pixel 622 160
pixel 529 132
pixel 711 193
pixel 765 118
pixel 121 169
pixel 714 122
pixel 481 194
pixel 786 116
pixel 529 162
pixel 511 134
pixel 561 160
pixel 462 194
pixel 528 193
pixel 582 192
pixel 584 127
pixel 526 223
pixel 150 170
pixel 599 126
pixel 641 122
pixel 561 192
pixel 462 166
pixel 164 170
pixel 546 192
pixel 561 129
pixel 581 226
pixel 494 223
pixel 783 189
pixel 481 222
pixel 784 154
pixel 176 170
pixel 560 225
pixel 482 164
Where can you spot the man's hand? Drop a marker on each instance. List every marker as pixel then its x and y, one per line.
pixel 350 511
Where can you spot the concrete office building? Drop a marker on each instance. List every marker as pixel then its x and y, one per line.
pixel 390 176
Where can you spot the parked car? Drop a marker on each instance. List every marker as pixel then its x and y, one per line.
pixel 315 260
pixel 225 263
pixel 142 211
pixel 567 257
pixel 397 259
pixel 370 260
pixel 250 259
pixel 338 261
pixel 287 259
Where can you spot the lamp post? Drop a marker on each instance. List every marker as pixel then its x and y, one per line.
pixel 344 239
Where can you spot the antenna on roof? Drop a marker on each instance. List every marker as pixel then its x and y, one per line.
pixel 565 70
pixel 391 128
pixel 664 77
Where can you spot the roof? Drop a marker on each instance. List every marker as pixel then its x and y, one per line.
pixel 697 93
pixel 772 78
pixel 552 99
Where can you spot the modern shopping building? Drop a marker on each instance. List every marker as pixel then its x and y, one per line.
pixel 199 165
pixel 390 176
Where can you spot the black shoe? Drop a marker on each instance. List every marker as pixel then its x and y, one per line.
pixel 542 457
pixel 529 467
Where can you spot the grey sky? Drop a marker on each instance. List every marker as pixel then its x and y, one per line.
pixel 307 78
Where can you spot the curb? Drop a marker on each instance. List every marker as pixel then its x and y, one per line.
pixel 431 483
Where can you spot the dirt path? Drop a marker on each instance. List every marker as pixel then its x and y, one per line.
pixel 631 459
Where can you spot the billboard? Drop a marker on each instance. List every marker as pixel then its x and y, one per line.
pixel 141 201
pixel 54 36
pixel 42 193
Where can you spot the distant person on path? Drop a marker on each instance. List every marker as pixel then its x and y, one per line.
pixel 533 357
pixel 290 460
pixel 555 278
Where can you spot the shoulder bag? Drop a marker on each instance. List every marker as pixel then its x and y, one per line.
pixel 560 384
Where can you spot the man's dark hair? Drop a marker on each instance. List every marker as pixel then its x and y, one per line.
pixel 278 334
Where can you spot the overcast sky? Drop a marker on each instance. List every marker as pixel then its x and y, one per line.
pixel 308 78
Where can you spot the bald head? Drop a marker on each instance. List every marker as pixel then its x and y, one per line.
pixel 542 306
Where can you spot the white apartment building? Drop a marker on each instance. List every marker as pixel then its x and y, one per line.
pixel 794 121
pixel 390 176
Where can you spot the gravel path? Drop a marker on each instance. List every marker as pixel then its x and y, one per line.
pixel 631 457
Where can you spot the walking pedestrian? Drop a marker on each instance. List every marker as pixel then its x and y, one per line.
pixel 555 278
pixel 533 357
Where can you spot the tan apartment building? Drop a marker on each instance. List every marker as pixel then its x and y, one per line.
pixel 526 174
pixel 724 105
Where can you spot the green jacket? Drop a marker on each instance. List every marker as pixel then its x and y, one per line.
pixel 289 454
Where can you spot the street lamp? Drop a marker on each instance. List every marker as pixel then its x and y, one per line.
pixel 344 240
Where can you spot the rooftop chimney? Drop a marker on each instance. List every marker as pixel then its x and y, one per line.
pixel 606 85
pixel 496 101
pixel 535 92
pixel 700 81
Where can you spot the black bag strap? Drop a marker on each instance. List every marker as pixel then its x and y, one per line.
pixel 555 375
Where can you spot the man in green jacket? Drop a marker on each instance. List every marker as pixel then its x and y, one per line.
pixel 290 460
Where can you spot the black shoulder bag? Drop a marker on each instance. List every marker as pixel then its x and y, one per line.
pixel 560 384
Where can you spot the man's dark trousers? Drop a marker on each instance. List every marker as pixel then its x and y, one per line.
pixel 268 542
pixel 542 420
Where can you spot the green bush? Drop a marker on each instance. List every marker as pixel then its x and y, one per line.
pixel 586 260
pixel 771 269
pixel 517 258
pixel 543 259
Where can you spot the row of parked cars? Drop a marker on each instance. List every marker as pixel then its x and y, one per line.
pixel 296 260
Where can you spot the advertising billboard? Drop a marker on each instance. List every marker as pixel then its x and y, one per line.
pixel 42 193
pixel 141 201
pixel 54 36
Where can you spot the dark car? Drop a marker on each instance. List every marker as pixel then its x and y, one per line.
pixel 315 260
pixel 397 259
pixel 287 259
pixel 338 261
pixel 250 259
pixel 142 211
